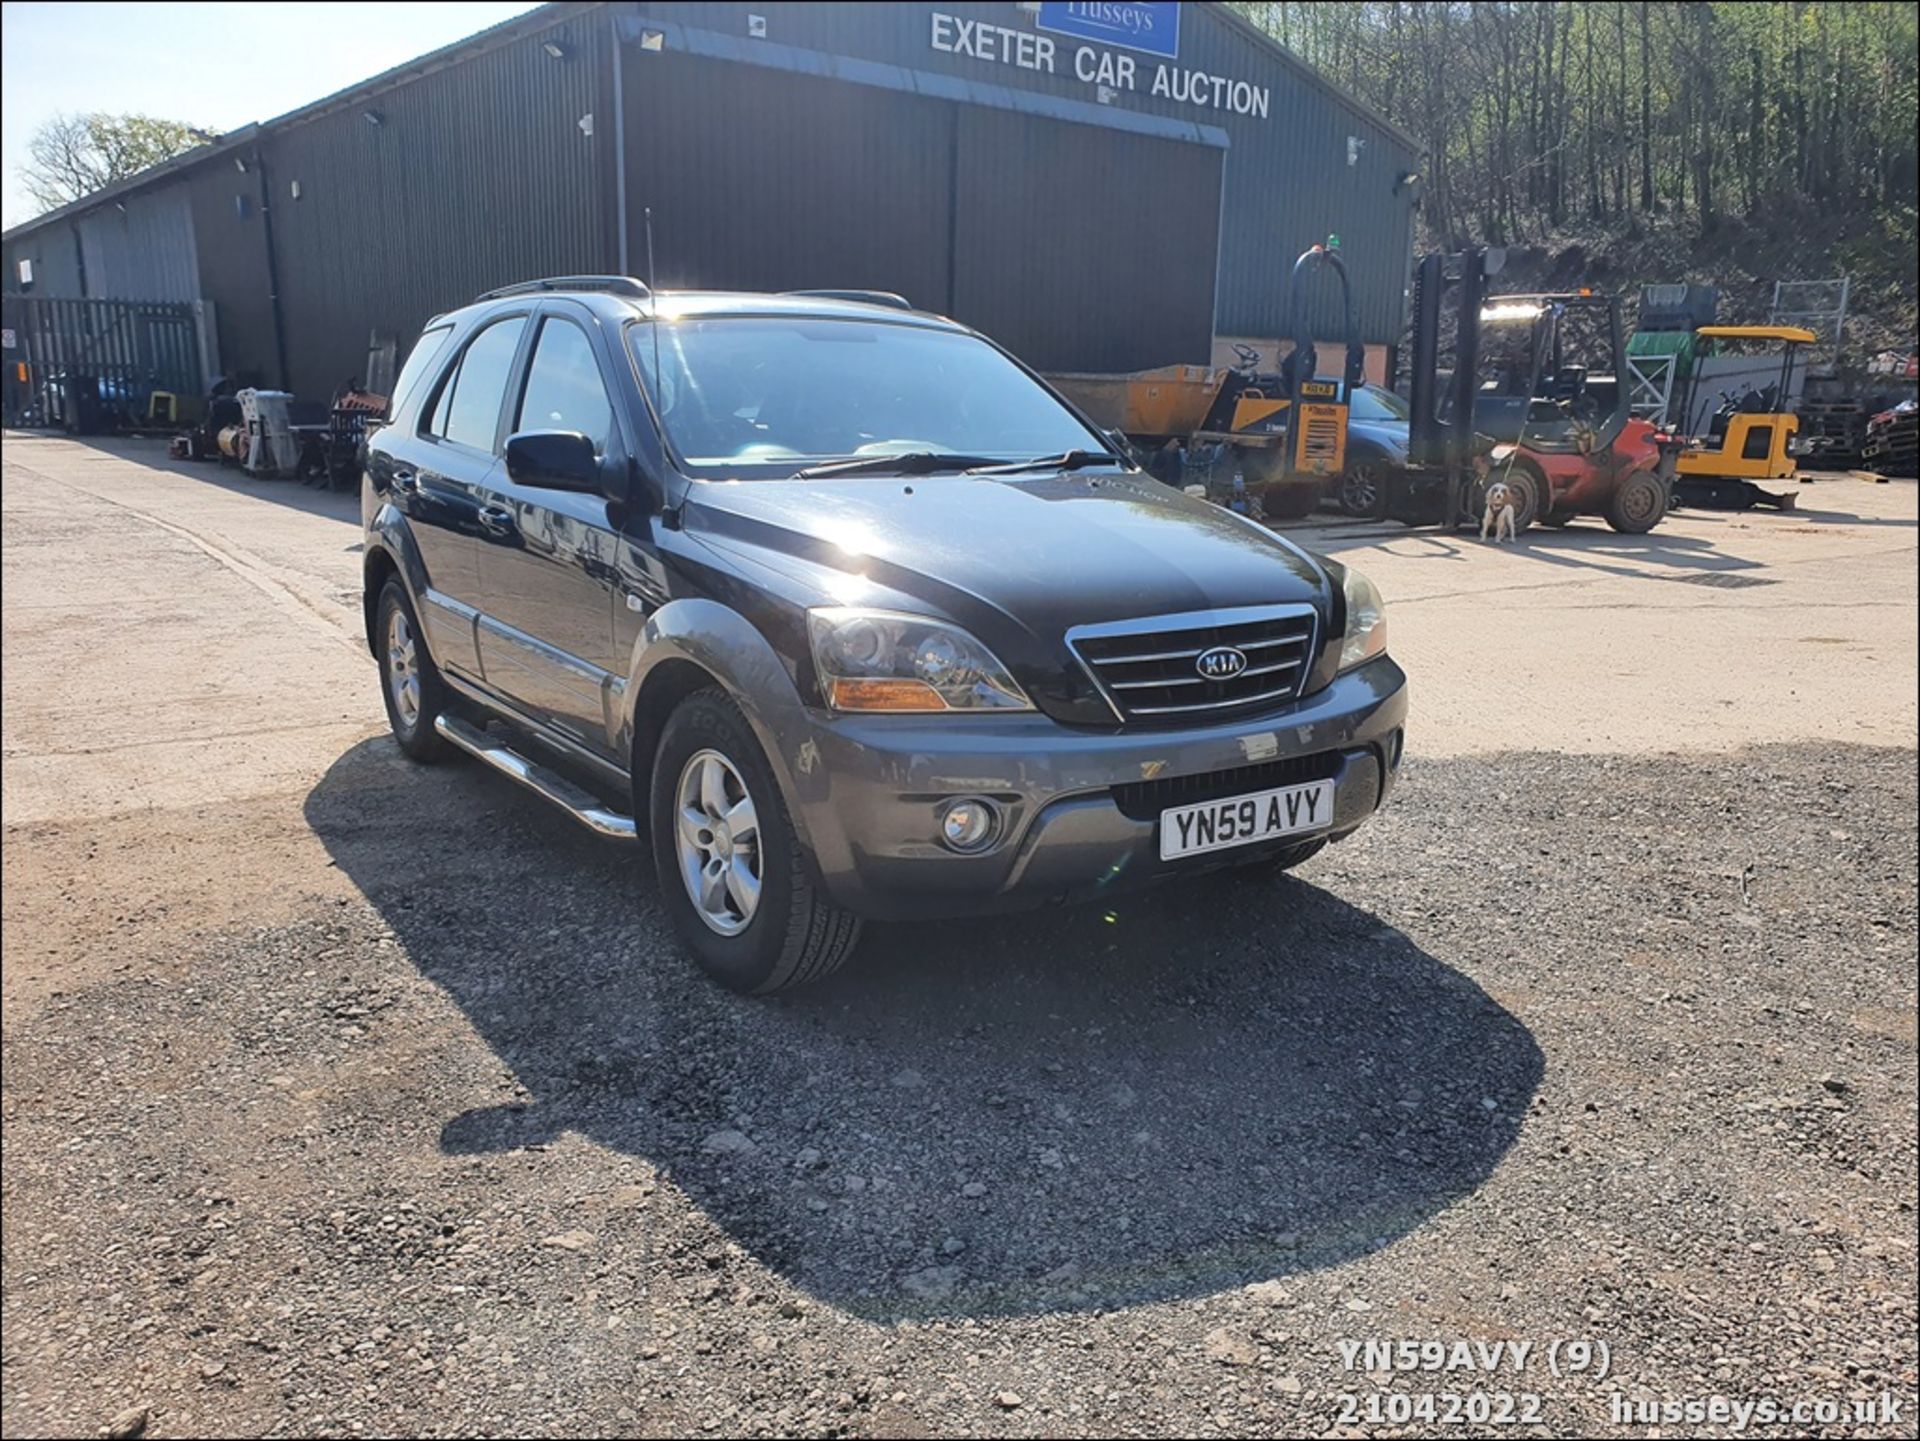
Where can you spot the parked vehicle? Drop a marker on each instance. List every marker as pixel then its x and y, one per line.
pixel 849 615
pixel 1377 429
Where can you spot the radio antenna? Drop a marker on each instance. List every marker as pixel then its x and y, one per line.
pixel 653 302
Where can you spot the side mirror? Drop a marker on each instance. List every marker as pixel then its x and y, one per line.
pixel 555 459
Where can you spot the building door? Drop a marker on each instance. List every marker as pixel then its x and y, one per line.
pixel 1082 248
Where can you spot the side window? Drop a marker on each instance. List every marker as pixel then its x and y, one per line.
pixel 469 404
pixel 426 351
pixel 565 390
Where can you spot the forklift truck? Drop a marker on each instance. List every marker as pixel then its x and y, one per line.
pixel 1524 403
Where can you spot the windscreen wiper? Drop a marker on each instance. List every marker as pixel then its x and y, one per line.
pixel 1065 460
pixel 909 462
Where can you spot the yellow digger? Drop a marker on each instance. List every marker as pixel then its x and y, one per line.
pixel 1750 435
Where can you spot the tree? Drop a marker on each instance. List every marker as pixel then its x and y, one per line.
pixel 74 155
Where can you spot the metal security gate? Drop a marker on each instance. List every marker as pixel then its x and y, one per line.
pixel 87 366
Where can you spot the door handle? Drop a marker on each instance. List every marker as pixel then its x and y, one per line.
pixel 496 517
pixel 406 482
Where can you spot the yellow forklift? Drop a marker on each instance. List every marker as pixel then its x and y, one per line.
pixel 1750 435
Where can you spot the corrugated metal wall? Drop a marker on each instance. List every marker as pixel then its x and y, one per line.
pixel 781 181
pixel 479 173
pixel 230 238
pixel 786 182
pixel 1044 265
pixel 1288 180
pixel 141 248
pixel 476 176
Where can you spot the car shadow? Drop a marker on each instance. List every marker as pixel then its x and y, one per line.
pixel 1219 1082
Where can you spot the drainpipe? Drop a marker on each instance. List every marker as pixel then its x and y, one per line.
pixel 619 142
pixel 273 271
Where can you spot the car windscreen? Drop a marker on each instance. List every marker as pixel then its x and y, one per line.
pixel 766 395
pixel 1370 402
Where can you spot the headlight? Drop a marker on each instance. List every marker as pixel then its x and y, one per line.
pixel 1366 635
pixel 882 660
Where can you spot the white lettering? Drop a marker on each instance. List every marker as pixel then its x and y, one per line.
pixel 1027 50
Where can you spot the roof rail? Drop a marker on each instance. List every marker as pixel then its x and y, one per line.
pixel 616 284
pixel 865 297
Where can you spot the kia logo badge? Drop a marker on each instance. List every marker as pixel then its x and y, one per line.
pixel 1223 662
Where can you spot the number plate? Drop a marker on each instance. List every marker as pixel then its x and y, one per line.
pixel 1245 820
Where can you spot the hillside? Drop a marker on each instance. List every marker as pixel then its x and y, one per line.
pixel 1744 259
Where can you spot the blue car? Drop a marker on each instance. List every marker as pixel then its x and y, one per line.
pixel 1377 422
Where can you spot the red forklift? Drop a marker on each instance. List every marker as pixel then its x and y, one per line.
pixel 1536 396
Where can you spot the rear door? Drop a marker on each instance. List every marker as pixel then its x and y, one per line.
pixel 455 450
pixel 547 557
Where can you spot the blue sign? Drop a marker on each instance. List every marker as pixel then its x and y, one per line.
pixel 1149 25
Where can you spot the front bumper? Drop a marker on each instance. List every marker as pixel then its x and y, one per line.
pixel 1078 821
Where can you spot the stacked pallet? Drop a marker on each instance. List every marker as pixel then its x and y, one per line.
pixel 1890 441
pixel 1831 432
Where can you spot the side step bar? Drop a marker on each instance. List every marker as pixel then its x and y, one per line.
pixel 584 808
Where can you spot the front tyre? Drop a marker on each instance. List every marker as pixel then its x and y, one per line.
pixel 732 874
pixel 410 683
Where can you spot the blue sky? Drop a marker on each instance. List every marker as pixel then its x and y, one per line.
pixel 217 66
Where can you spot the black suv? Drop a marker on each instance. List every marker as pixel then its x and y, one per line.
pixel 851 613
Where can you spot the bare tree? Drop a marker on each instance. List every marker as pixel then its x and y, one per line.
pixel 74 155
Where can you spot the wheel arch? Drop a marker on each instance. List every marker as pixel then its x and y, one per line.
pixel 692 643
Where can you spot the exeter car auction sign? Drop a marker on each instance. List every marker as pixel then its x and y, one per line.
pixel 1110 72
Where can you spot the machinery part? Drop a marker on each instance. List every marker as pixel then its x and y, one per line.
pixel 232 441
pixel 1637 504
pixel 1294 500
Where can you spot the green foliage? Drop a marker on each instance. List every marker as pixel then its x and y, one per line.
pixel 1538 113
pixel 74 155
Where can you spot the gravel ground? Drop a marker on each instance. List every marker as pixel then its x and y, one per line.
pixel 1560 1047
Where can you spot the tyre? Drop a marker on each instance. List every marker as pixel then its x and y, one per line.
pixel 1363 490
pixel 410 683
pixel 1560 519
pixel 1287 857
pixel 1638 503
pixel 732 874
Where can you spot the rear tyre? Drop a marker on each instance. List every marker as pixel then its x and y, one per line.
pixel 732 873
pixel 1638 503
pixel 410 683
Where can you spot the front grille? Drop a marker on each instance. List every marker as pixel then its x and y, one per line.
pixel 1148 670
pixel 1144 800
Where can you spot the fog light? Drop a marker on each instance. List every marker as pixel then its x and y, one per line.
pixel 967 824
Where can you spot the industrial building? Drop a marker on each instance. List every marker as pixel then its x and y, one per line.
pixel 1099 186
